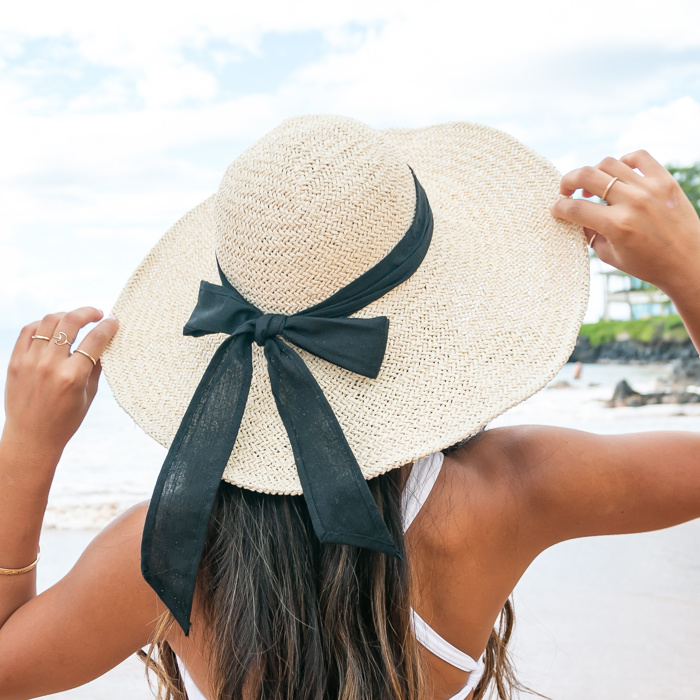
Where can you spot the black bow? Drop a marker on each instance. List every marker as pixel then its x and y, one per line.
pixel 340 504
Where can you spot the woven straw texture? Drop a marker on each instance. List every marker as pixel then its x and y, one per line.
pixel 487 320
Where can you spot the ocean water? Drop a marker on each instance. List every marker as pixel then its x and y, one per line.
pixel 111 464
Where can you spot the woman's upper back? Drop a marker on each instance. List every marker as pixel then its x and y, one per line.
pixel 458 589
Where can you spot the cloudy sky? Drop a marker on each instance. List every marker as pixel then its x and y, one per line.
pixel 117 118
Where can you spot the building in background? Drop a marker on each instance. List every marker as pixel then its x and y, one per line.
pixel 640 298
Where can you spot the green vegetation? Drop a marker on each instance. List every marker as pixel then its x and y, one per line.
pixel 689 180
pixel 646 330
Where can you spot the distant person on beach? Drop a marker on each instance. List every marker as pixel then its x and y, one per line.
pixel 342 320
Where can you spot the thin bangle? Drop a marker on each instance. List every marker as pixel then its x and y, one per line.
pixel 25 570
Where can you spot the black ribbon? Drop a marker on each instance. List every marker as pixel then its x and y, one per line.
pixel 340 503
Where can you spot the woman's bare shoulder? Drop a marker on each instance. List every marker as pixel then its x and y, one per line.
pixel 486 468
pixel 495 451
pixel 542 484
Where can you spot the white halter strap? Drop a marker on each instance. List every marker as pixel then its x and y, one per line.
pixel 419 484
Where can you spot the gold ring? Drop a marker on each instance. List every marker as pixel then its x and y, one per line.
pixel 607 189
pixel 40 337
pixel 593 237
pixel 62 339
pixel 88 355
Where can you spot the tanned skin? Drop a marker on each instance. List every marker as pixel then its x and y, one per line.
pixel 500 501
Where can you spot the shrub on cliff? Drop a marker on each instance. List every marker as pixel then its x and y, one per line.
pixel 648 330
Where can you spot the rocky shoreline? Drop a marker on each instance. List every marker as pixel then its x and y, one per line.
pixel 681 386
pixel 633 351
pixel 625 395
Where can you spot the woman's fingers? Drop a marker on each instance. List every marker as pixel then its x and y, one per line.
pixel 642 161
pixel 600 245
pixel 592 236
pixel 93 380
pixel 586 178
pixel 92 346
pixel 619 169
pixel 611 180
pixel 45 329
pixel 70 324
pixel 596 181
pixel 61 330
pixel 587 214
pixel 25 340
pixel 593 181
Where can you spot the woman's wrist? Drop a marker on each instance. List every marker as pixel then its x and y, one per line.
pixel 684 292
pixel 27 469
pixel 683 288
pixel 25 482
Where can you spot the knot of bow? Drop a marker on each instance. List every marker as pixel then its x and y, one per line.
pixel 356 344
pixel 268 326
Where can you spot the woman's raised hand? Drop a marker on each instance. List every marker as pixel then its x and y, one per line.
pixel 649 228
pixel 49 388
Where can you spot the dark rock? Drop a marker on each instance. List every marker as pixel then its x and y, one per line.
pixel 623 391
pixel 685 371
pixel 561 384
pixel 584 351
pixel 634 351
pixel 625 395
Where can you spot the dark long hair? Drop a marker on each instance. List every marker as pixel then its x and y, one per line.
pixel 286 618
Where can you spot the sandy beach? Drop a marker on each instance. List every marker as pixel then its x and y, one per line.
pixel 610 618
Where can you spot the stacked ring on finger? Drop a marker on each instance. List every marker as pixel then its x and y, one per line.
pixel 62 339
pixel 607 189
pixel 87 354
pixel 41 337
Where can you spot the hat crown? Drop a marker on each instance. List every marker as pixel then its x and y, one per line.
pixel 309 208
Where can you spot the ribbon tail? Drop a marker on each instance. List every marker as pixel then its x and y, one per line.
pixel 340 503
pixel 178 516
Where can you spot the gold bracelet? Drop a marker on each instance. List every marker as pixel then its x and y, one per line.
pixel 25 570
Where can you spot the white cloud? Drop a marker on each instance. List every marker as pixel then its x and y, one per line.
pixel 134 32
pixel 671 132
pixel 169 85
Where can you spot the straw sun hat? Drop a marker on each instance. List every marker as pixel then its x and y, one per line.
pixel 349 301
pixel 487 319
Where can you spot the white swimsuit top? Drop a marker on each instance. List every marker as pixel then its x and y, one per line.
pixel 420 482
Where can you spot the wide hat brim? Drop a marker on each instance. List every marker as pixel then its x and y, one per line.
pixel 489 317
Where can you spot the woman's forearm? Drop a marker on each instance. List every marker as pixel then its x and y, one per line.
pixel 25 481
pixel 686 299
